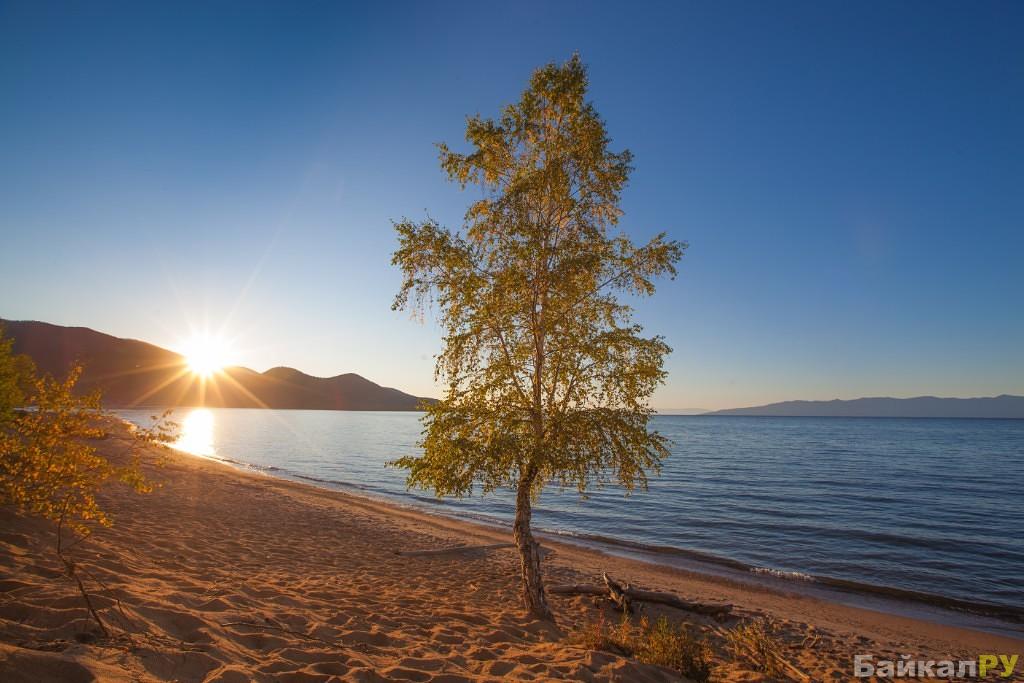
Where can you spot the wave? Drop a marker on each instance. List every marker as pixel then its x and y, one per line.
pixel 782 574
pixel 246 465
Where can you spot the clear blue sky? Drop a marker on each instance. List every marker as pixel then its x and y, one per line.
pixel 850 176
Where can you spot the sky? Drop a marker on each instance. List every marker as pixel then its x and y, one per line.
pixel 849 176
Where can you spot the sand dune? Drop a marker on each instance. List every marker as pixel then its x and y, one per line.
pixel 227 576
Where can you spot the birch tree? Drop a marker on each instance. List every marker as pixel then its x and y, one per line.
pixel 546 373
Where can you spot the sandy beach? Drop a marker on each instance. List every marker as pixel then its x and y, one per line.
pixel 225 575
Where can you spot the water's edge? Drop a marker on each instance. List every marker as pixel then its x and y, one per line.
pixel 982 616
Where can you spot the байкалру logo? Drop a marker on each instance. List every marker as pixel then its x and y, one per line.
pixel 1002 666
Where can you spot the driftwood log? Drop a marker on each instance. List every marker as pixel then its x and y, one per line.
pixel 623 595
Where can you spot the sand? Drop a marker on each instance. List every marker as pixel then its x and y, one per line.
pixel 225 575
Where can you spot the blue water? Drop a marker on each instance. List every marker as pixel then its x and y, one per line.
pixel 931 506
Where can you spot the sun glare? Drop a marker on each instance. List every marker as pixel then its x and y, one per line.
pixel 196 435
pixel 205 355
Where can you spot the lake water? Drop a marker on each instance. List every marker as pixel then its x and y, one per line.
pixel 932 507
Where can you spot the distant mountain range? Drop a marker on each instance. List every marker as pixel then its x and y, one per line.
pixel 133 373
pixel 1004 406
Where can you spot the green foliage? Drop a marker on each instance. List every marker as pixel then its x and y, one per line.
pixel 673 646
pixel 16 374
pixel 49 465
pixel 547 376
pixel 662 643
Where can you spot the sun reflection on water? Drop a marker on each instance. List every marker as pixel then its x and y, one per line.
pixel 197 433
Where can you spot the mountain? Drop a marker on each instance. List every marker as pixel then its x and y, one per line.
pixel 134 373
pixel 1004 406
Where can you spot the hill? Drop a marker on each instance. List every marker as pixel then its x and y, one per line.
pixel 1004 406
pixel 133 373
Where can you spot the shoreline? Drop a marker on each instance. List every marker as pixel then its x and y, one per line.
pixel 883 600
pixel 223 575
pixel 572 548
pixel 1001 620
pixel 845 546
pixel 657 572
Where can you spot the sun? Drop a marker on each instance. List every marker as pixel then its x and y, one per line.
pixel 205 355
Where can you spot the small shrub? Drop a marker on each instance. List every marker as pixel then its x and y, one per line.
pixel 50 466
pixel 663 643
pixel 673 646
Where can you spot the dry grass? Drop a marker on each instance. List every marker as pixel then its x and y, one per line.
pixel 757 642
pixel 663 643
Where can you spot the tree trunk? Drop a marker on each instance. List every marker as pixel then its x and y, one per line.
pixel 529 556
